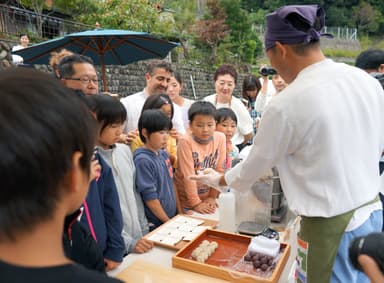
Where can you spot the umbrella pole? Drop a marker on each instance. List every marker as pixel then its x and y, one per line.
pixel 105 87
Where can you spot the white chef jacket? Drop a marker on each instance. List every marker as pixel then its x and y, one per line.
pixel 244 120
pixel 325 134
pixel 134 104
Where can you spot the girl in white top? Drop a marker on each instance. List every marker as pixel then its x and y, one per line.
pixel 175 86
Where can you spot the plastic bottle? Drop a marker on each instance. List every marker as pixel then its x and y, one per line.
pixel 227 212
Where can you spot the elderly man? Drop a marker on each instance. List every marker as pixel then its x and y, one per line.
pixel 78 72
pixel 325 135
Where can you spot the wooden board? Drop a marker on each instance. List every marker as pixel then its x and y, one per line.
pixel 206 222
pixel 224 262
pixel 143 272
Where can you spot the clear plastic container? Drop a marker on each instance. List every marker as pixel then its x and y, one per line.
pixel 254 206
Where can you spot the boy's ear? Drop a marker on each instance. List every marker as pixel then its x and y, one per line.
pixel 75 176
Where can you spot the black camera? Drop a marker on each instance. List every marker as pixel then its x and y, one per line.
pixel 266 71
pixel 371 245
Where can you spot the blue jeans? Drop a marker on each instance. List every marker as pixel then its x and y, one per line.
pixel 343 271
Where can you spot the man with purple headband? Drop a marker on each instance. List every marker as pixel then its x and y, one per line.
pixel 325 134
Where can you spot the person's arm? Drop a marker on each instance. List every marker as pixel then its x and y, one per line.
pixel 178 203
pixel 248 137
pixel 172 151
pixel 155 206
pixel 135 143
pixel 115 246
pixel 177 119
pixel 261 99
pixel 275 139
pixel 371 269
pixel 222 155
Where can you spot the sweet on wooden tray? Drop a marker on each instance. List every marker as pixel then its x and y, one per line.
pixel 227 261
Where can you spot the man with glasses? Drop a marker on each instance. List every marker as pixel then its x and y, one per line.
pixel 78 72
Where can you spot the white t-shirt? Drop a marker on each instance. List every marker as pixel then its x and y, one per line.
pixel 325 135
pixel 17 59
pixel 184 111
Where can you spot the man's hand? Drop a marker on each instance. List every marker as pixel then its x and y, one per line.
pixel 143 245
pixel 211 178
pixel 371 269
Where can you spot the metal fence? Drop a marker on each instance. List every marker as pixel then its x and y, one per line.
pixel 14 21
pixel 342 32
pixel 337 32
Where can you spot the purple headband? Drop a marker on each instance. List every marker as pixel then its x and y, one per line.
pixel 279 25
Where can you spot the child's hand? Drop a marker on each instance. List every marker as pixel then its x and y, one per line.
pixel 174 133
pixel 143 245
pixel 110 264
pixel 127 139
pixel 205 208
pixel 95 170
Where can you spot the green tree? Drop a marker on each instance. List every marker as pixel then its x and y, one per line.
pixel 37 6
pixel 184 18
pixel 212 30
pixel 243 38
pixel 365 18
pixel 138 15
pixel 75 8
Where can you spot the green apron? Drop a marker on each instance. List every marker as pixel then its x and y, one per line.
pixel 318 243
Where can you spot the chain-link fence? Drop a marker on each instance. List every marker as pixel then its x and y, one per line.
pixel 14 21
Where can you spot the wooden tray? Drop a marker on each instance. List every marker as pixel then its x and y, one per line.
pixel 227 257
pixel 206 222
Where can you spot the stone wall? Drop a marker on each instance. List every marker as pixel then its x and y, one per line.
pixel 128 79
pixel 197 81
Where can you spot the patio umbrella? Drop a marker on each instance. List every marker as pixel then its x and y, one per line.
pixel 104 46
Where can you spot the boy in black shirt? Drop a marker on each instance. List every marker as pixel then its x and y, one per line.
pixel 46 145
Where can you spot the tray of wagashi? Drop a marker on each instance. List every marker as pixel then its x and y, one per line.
pixel 228 256
pixel 179 231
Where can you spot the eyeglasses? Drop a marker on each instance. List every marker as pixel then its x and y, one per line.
pixel 84 80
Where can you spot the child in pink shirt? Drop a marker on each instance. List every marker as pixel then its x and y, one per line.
pixel 201 148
